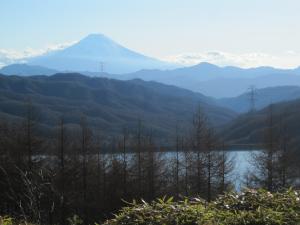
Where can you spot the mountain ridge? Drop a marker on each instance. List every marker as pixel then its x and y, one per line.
pixel 89 52
pixel 213 83
pixel 108 104
pixel 262 98
pixel 26 70
pixel 249 128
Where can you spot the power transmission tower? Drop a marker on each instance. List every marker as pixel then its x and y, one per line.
pixel 252 98
pixel 101 67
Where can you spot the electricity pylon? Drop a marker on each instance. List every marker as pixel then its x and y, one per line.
pixel 252 98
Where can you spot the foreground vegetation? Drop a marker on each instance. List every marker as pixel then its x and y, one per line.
pixel 249 207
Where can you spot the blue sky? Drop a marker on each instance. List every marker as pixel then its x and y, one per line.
pixel 158 28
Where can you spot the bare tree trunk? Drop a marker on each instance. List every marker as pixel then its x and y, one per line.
pixel 226 166
pixel 124 163
pixel 151 168
pixel 283 163
pixel 270 150
pixel 98 173
pixel 200 125
pixel 84 149
pixel 139 159
pixel 177 164
pixel 186 167
pixel 62 170
pixel 104 192
pixel 29 135
pixel 209 178
pixel 199 170
pixel 284 153
pixel 210 161
pixel 223 170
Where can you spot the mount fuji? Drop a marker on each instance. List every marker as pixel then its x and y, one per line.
pixel 96 50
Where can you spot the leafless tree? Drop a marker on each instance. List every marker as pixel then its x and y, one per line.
pixel 266 160
pixel 86 136
pixel 200 128
pixel 30 138
pixel 124 151
pixel 62 175
pixel 225 166
pixel 138 156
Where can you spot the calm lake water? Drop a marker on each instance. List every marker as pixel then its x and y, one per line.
pixel 242 166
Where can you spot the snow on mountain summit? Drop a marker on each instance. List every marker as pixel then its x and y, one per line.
pixel 87 54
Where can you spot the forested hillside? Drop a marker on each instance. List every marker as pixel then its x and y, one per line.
pixel 109 105
pixel 250 127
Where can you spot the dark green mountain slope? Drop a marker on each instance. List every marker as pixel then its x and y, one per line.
pixel 108 104
pixel 250 127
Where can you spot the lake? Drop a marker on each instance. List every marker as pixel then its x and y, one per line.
pixel 242 165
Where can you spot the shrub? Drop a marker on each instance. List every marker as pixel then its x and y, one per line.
pixel 6 220
pixel 247 208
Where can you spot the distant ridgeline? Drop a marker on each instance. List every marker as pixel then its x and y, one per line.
pixel 111 105
pixel 208 79
pixel 108 105
pixel 250 128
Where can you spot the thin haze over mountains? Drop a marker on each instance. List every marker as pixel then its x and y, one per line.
pixel 98 55
pixel 287 59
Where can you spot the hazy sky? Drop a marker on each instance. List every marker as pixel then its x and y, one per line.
pixel 173 29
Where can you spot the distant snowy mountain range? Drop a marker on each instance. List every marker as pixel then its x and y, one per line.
pixel 97 55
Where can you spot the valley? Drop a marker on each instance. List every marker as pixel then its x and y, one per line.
pixel 182 113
